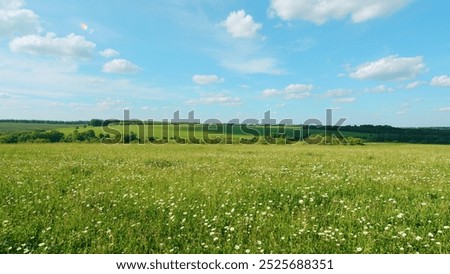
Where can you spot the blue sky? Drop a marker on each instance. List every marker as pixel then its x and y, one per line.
pixel 372 61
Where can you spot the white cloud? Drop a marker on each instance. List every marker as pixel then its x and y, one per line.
pixel 298 88
pixel 390 68
pixel 216 99
pixel 253 66
pixel 414 85
pixel 149 108
pixel 10 4
pixel 4 95
pixel 404 109
pixel 345 100
pixel 120 66
pixel 447 109
pixel 441 81
pixel 298 95
pixel 108 53
pixel 95 80
pixel 241 25
pixel 71 46
pixel 320 11
pixel 16 20
pixel 44 78
pixel 379 89
pixel 271 92
pixel 206 79
pixel 293 91
pixel 302 45
pixel 109 104
pixel 337 93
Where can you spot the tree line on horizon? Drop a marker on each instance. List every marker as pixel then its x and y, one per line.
pixel 26 121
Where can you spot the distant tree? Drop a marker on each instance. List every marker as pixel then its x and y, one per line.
pixel 55 136
pixel 9 139
pixel 84 136
pixel 96 122
pixel 90 134
pixel 128 138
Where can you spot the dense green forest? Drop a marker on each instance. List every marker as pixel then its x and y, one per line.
pixel 373 133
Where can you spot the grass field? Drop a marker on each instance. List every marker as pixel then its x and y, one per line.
pixel 20 127
pixel 93 198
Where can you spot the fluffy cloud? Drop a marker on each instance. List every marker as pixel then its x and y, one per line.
pixel 404 109
pixel 441 81
pixel 320 11
pixel 253 66
pixel 345 100
pixel 109 104
pixel 4 95
pixel 14 19
pixel 206 79
pixel 390 68
pixel 120 66
pixel 108 53
pixel 241 25
pixel 71 46
pixel 414 85
pixel 447 109
pixel 293 91
pixel 216 99
pixel 379 89
pixel 337 93
pixel 28 80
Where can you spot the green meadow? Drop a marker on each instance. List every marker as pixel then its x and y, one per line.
pixel 12 127
pixel 171 198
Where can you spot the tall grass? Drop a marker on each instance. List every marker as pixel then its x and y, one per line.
pixel 93 198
